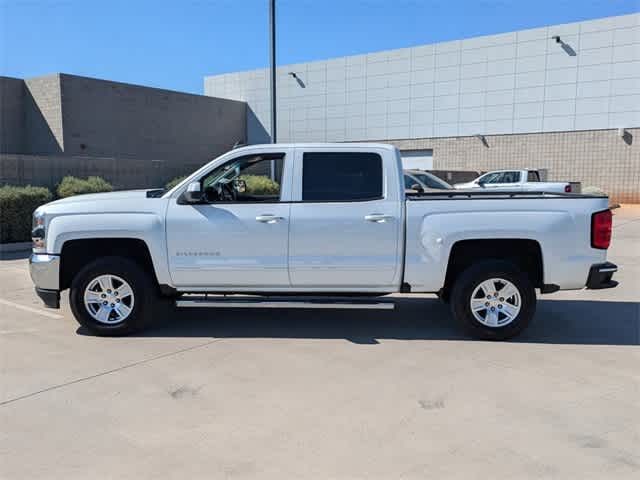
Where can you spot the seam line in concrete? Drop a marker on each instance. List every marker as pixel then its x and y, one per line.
pixel 107 372
pixel 626 223
pixel 30 309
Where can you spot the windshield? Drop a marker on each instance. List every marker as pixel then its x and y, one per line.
pixel 431 181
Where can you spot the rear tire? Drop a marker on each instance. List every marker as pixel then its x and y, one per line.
pixel 493 300
pixel 113 296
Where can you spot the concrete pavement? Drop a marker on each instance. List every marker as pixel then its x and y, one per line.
pixel 326 394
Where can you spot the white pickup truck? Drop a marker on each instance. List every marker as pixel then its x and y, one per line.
pixel 278 224
pixel 523 180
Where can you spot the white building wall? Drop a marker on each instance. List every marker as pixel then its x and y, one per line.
pixel 516 82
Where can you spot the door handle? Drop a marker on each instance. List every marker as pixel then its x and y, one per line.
pixel 267 218
pixel 378 217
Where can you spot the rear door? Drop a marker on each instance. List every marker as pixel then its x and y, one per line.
pixel 346 220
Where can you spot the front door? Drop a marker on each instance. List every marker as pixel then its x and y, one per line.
pixel 345 228
pixel 238 236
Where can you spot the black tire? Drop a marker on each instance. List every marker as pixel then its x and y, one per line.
pixel 471 278
pixel 145 293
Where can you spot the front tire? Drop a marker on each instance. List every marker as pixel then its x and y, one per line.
pixel 113 296
pixel 493 300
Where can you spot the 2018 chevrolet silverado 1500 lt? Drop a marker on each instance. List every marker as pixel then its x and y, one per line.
pixel 281 221
pixel 513 180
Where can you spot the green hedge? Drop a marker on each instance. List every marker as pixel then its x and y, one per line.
pixel 174 182
pixel 70 186
pixel 256 184
pixel 260 185
pixel 16 208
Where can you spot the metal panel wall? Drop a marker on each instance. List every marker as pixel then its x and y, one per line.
pixel 518 82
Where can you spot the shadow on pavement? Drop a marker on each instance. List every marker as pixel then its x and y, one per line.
pixel 556 322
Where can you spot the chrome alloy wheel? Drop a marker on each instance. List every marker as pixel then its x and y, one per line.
pixel 496 302
pixel 108 299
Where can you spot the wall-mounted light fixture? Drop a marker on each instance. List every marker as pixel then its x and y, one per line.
pixel 483 139
pixel 565 46
pixel 625 135
pixel 298 79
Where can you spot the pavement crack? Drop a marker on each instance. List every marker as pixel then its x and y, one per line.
pixel 108 372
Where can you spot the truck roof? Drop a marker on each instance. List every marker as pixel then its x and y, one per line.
pixel 385 146
pixel 513 170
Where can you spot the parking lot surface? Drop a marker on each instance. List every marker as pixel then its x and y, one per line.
pixel 326 394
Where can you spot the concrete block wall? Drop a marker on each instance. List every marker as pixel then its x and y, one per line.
pixel 43 132
pixel 133 136
pixel 599 158
pixel 11 114
pixel 104 118
pixel 122 173
pixel 517 82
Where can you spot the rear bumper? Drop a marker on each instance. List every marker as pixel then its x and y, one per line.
pixel 600 276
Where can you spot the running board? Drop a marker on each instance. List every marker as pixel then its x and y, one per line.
pixel 252 302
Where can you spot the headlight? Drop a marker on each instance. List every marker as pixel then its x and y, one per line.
pixel 38 232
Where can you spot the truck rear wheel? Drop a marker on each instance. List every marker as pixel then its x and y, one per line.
pixel 112 296
pixel 493 300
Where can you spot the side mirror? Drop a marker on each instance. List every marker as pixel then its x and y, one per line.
pixel 482 183
pixel 417 188
pixel 193 193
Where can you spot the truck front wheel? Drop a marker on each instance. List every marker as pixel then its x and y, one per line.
pixel 112 296
pixel 493 300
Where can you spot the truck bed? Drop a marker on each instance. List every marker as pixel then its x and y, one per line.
pixel 559 222
pixel 487 195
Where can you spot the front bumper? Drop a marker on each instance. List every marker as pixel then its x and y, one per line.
pixel 45 273
pixel 600 276
pixel 51 298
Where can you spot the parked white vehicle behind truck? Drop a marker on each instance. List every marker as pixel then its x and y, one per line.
pixel 322 219
pixel 516 180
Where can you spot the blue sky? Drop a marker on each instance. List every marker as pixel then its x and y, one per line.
pixel 174 44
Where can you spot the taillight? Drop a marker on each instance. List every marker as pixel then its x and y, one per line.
pixel 567 188
pixel 601 223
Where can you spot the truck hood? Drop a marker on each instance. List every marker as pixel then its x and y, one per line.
pixel 101 197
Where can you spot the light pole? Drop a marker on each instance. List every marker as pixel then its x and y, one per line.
pixel 272 81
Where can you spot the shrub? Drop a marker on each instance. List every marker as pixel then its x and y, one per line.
pixel 260 185
pixel 174 182
pixel 16 208
pixel 70 186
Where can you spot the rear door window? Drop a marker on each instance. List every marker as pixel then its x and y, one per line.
pixel 341 176
pixel 533 177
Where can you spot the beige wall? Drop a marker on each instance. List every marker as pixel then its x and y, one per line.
pixel 597 158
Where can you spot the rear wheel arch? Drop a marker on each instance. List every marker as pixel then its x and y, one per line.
pixel 524 254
